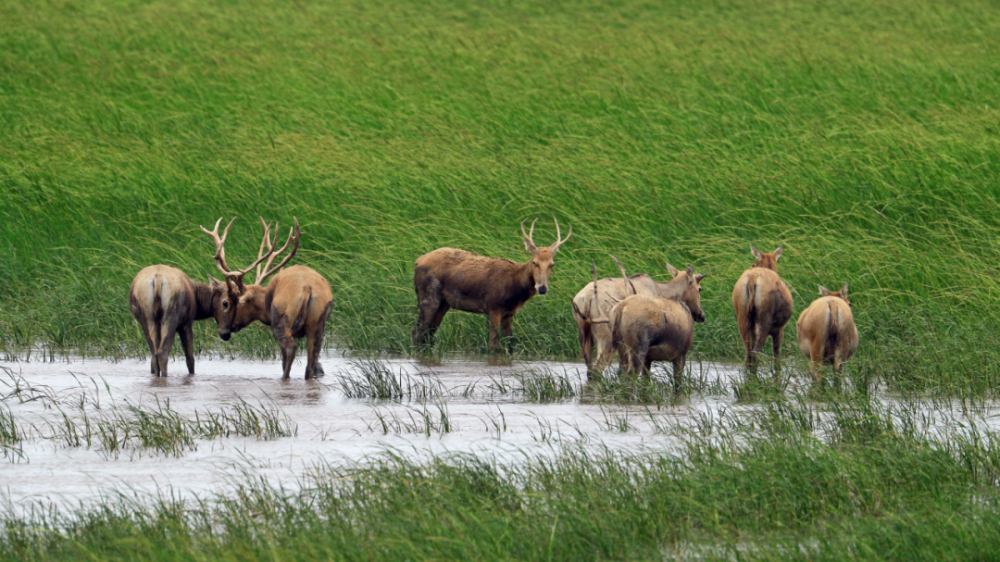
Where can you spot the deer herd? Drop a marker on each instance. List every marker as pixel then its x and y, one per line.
pixel 635 317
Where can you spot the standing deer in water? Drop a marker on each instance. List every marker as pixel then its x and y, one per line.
pixel 165 302
pixel 763 306
pixel 448 278
pixel 826 330
pixel 647 328
pixel 295 304
pixel 592 308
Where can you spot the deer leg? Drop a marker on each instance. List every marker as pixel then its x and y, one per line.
pixel 815 358
pixel 624 360
pixel 187 341
pixel 495 318
pixel 285 341
pixel 316 343
pixel 760 338
pixel 679 372
pixel 776 339
pixel 154 365
pixel 507 329
pixel 169 330
pixel 310 353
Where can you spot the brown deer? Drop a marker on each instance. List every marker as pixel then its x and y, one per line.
pixel 448 278
pixel 295 304
pixel 826 330
pixel 592 308
pixel 165 302
pixel 763 306
pixel 647 328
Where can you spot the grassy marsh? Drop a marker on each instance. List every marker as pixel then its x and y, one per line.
pixel 862 135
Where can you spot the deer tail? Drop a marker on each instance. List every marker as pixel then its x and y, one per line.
pixel 750 309
pixel 832 331
pixel 300 318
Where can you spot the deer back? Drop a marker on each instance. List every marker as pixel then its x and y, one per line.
pixel 159 291
pixel 298 297
pixel 653 319
pixel 828 319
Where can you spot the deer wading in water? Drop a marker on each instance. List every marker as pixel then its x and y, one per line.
pixel 826 330
pixel 592 308
pixel 763 306
pixel 166 302
pixel 647 328
pixel 295 304
pixel 448 278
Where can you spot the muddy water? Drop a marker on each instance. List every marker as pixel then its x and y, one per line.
pixel 331 428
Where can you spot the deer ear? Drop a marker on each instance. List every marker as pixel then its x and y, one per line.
pixel 756 252
pixel 690 271
pixel 214 283
pixel 777 252
pixel 824 291
pixel 699 277
pixel 673 270
pixel 843 292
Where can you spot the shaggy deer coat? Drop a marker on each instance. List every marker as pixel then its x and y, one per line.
pixel 826 330
pixel 647 328
pixel 592 315
pixel 763 306
pixel 165 302
pixel 448 278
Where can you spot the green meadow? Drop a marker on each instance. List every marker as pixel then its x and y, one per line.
pixel 864 136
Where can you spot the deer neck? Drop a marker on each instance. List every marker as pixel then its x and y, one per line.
pixel 673 290
pixel 252 306
pixel 203 296
pixel 524 278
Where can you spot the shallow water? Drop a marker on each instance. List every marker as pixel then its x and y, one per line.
pixel 331 428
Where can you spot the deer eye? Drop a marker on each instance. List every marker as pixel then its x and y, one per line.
pixel 225 305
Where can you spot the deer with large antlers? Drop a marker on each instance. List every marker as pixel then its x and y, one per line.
pixel 448 278
pixel 166 302
pixel 295 304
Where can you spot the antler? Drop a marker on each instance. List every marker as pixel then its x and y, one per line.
pixel 528 240
pixel 220 255
pixel 265 241
pixel 624 275
pixel 559 238
pixel 271 254
pixel 220 249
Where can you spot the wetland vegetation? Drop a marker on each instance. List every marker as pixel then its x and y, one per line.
pixel 864 136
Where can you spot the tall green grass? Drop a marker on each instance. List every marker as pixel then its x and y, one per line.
pixel 757 486
pixel 862 135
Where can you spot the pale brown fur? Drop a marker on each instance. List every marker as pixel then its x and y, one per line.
pixel 165 302
pixel 826 331
pixel 595 333
pixel 647 328
pixel 448 278
pixel 295 304
pixel 763 306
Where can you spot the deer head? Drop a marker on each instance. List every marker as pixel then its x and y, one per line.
pixel 228 321
pixel 841 294
pixel 767 261
pixel 542 258
pixel 692 293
